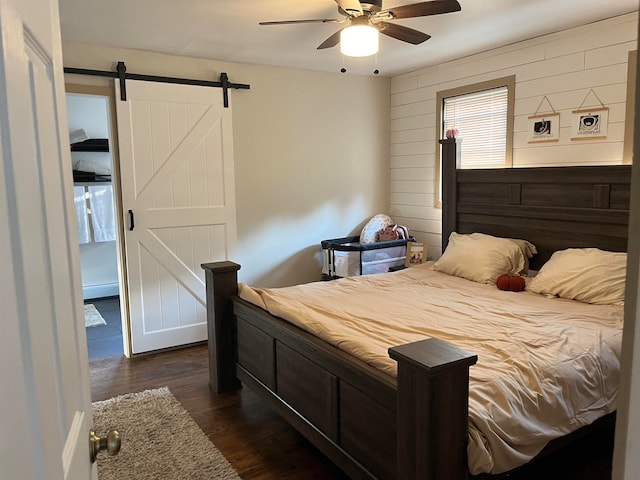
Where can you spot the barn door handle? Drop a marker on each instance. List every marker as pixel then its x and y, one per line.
pixel 131 222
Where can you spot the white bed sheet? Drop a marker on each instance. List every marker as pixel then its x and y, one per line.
pixel 545 366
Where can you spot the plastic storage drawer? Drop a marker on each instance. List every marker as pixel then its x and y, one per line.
pixel 347 257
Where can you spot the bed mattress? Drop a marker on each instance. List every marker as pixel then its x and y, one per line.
pixel 546 366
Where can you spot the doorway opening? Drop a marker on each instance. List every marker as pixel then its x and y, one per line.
pixel 96 193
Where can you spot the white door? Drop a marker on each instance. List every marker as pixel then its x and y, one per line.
pixel 178 200
pixel 45 408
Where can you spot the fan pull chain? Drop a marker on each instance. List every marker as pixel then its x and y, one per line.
pixel 375 64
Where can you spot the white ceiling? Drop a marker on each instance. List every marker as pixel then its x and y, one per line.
pixel 228 30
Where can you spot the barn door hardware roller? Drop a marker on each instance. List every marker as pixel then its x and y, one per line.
pixel 122 75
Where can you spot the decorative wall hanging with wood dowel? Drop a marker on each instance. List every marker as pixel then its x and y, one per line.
pixel 544 127
pixel 590 123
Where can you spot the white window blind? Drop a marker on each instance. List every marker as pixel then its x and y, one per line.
pixel 481 121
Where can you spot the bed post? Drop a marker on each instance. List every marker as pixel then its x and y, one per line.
pixel 222 283
pixel 433 410
pixel 450 161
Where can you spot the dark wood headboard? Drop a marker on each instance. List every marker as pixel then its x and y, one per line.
pixel 552 207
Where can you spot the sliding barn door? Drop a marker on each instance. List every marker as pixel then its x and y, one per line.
pixel 178 199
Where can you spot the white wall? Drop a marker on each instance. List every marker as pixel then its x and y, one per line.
pixel 311 154
pixel 563 67
pixel 98 260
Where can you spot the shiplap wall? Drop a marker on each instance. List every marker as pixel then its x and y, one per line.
pixel 563 66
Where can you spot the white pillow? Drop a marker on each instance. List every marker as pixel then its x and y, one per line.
pixel 481 258
pixel 528 250
pixel 370 231
pixel 589 275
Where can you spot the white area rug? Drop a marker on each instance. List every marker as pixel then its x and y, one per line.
pixel 159 440
pixel 92 317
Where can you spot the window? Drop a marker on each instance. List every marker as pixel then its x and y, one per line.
pixel 482 120
pixel 483 115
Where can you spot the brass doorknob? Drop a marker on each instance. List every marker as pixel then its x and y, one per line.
pixel 111 443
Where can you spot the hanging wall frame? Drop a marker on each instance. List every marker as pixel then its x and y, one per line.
pixel 590 123
pixel 544 127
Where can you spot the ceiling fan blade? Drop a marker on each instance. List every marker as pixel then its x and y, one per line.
pixel 423 9
pixel 403 33
pixel 351 7
pixel 332 41
pixel 315 20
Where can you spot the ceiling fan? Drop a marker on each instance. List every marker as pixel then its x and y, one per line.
pixel 369 14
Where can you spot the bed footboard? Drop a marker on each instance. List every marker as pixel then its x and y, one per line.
pixel 221 284
pixel 371 425
pixel 433 409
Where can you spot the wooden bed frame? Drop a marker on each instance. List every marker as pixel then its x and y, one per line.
pixel 414 426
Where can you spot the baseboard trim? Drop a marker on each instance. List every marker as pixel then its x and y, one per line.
pixel 100 291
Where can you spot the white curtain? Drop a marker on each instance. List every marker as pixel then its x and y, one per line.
pixel 84 232
pixel 102 213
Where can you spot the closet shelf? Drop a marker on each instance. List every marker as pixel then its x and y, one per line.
pixel 89 177
pixel 91 145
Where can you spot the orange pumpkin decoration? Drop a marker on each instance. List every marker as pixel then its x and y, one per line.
pixel 512 283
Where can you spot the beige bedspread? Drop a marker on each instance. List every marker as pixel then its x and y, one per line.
pixel 545 366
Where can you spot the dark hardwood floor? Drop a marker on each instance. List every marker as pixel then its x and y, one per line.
pixel 260 445
pixel 257 442
pixel 106 340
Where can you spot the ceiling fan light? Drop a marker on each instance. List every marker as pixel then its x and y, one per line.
pixel 359 41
